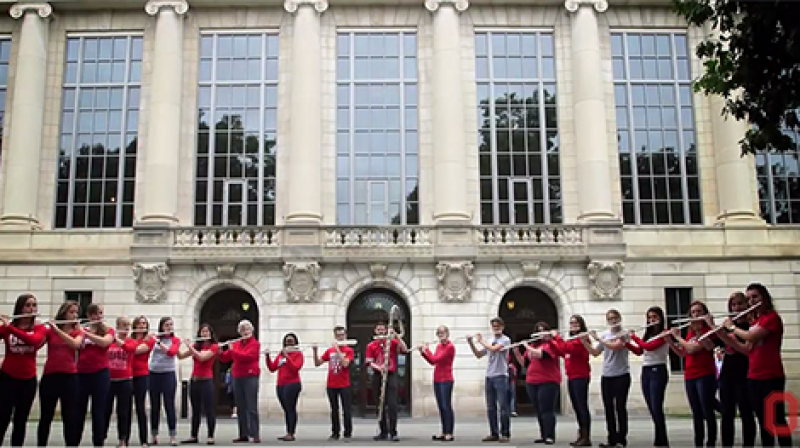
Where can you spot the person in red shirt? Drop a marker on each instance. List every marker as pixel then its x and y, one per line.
pixel 140 370
pixel 120 366
pixel 23 338
pixel 244 355
pixel 380 366
pixel 338 358
pixel 203 352
pixel 288 364
pixel 542 380
pixel 700 372
pixel 442 362
pixel 94 376
pixel 60 378
pixel 765 375
pixel 579 373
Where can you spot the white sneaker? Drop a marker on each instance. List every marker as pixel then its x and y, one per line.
pixel 234 416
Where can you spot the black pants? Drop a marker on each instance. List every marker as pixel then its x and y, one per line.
pixel 343 394
pixel 759 391
pixel 700 392
pixel 17 400
pixel 122 392
pixel 614 390
pixel 544 397
pixel 201 394
pixel 654 389
pixel 578 389
pixel 288 395
pixel 140 386
pixel 53 388
pixel 95 386
pixel 163 384
pixel 733 395
pixel 388 424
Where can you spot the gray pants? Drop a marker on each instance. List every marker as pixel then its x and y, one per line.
pixel 245 390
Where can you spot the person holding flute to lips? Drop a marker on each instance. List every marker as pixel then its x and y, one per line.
pixel 288 364
pixel 244 353
pixel 442 362
pixel 338 358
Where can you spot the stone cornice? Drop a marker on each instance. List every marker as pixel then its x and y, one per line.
pixel 459 5
pixel 18 10
pixel 292 6
pixel 153 7
pixel 573 5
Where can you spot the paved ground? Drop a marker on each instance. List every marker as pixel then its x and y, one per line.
pixel 412 432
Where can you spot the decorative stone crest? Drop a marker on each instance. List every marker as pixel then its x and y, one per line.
pixel 433 5
pixel 151 281
pixel 226 270
pixel 291 6
pixel 153 7
pixel 18 9
pixel 302 281
pixel 573 5
pixel 455 280
pixel 605 279
pixel 378 271
pixel 531 268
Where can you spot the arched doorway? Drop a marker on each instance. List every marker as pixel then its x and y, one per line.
pixel 521 308
pixel 364 312
pixel 223 311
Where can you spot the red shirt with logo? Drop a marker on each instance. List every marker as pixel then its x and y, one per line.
pixel 21 348
pixel 442 361
pixel 141 361
pixel 545 369
pixel 60 356
pixel 338 374
pixel 700 363
pixel 375 351
pixel 765 357
pixel 245 355
pixel 288 367
pixel 91 357
pixel 204 369
pixel 120 359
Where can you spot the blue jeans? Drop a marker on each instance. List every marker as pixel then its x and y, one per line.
pixel 444 400
pixel 95 386
pixel 512 396
pixel 578 389
pixel 701 394
pixel 654 389
pixel 497 393
pixel 288 394
pixel 246 391
pixel 544 397
pixel 163 384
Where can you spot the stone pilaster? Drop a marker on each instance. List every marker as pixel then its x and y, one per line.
pixel 20 197
pixel 594 180
pixel 161 153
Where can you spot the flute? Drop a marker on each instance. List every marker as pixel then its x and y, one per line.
pixel 232 341
pixel 421 346
pixel 301 347
pixel 21 316
pixel 734 318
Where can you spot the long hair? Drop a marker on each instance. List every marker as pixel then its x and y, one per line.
pixel 61 315
pixel 140 335
pixel 766 297
pixel 581 324
pixel 656 329
pixel 100 328
pixel 161 323
pixel 705 310
pixel 212 337
pixel 19 305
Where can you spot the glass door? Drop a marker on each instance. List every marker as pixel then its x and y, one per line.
pixel 520 196
pixel 378 205
pixel 234 210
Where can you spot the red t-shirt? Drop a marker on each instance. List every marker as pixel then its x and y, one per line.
pixel 765 357
pixel 120 359
pixel 576 358
pixel 338 375
pixel 60 356
pixel 546 369
pixel 244 354
pixel 375 353
pixel 442 361
pixel 699 364
pixel 204 369
pixel 21 348
pixel 93 358
pixel 288 370
pixel 141 362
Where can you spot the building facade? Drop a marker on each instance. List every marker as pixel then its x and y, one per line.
pixel 306 165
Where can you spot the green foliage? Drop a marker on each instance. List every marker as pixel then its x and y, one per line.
pixel 754 65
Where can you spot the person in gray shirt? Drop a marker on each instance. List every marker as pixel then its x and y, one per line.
pixel 496 379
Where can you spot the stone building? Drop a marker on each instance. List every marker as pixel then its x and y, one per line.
pixel 306 164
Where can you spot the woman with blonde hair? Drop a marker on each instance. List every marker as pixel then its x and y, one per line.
pixel 442 362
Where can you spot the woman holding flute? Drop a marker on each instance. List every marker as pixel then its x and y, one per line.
pixel 542 379
pixel 163 379
pixel 140 370
pixel 244 354
pixel 442 362
pixel 93 373
pixel 288 364
pixel 576 363
pixel 203 351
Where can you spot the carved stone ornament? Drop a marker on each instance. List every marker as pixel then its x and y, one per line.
pixel 460 5
pixel 573 5
pixel 378 271
pixel 531 268
pixel 291 6
pixel 151 281
pixel 18 10
pixel 455 280
pixel 302 281
pixel 605 279
pixel 153 7
pixel 226 270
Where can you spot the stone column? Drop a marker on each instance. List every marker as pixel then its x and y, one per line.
pixel 594 180
pixel 449 147
pixel 160 186
pixel 21 194
pixel 304 203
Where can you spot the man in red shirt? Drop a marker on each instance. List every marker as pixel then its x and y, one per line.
pixel 375 360
pixel 338 358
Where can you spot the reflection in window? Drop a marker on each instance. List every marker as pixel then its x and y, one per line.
pixel 376 121
pixel 238 98
pixel 99 123
pixel 779 184
pixel 5 56
pixel 655 129
pixel 518 135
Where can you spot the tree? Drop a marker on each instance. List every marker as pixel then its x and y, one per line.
pixel 753 63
